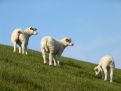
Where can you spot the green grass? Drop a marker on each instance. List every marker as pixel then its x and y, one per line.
pixel 28 73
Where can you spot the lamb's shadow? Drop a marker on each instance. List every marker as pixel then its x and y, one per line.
pixel 71 64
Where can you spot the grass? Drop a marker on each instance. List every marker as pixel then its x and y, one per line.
pixel 28 73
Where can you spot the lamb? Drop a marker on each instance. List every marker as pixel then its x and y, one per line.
pixel 105 68
pixel 54 48
pixel 21 37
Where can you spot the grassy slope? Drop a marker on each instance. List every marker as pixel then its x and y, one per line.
pixel 28 73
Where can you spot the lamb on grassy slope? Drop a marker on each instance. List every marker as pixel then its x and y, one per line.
pixel 54 48
pixel 105 68
pixel 21 37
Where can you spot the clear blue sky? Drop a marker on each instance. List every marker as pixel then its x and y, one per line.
pixel 94 25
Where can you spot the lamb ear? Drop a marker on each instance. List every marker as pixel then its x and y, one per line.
pixel 19 32
pixel 67 40
pixel 31 28
pixel 96 69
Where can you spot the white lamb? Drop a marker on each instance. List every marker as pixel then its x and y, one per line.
pixel 105 68
pixel 54 48
pixel 21 37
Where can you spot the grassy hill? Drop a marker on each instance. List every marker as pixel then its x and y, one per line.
pixel 28 73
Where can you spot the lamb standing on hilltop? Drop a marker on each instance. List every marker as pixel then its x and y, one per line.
pixel 54 48
pixel 21 37
pixel 105 68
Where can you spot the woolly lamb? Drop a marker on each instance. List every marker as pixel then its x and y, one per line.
pixel 105 68
pixel 21 37
pixel 54 48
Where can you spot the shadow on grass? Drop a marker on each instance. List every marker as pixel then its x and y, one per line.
pixel 71 64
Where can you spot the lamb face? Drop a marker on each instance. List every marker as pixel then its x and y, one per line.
pixel 68 42
pixel 97 70
pixel 32 31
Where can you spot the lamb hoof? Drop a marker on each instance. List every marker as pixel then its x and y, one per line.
pixel 45 62
pixel 111 81
pixel 105 80
pixel 50 64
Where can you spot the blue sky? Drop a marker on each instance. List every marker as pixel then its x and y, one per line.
pixel 94 25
